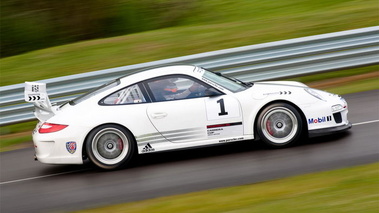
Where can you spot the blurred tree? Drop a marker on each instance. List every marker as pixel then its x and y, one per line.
pixel 29 25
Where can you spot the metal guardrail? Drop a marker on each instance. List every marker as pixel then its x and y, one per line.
pixel 273 60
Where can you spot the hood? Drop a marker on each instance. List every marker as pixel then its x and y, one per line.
pixel 284 83
pixel 284 89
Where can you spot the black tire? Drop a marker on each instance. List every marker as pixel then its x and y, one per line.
pixel 279 125
pixel 110 146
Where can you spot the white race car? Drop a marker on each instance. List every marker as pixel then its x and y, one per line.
pixel 177 107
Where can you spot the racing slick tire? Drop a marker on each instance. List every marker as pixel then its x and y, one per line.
pixel 110 146
pixel 280 125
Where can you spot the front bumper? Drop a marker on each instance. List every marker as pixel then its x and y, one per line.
pixel 328 131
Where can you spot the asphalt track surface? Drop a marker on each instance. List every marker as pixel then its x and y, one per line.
pixel 29 186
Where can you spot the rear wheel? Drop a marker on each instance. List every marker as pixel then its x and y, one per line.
pixel 279 125
pixel 110 146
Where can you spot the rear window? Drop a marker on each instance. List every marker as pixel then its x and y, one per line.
pixel 129 95
pixel 94 92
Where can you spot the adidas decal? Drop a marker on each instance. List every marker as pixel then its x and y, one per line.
pixel 148 148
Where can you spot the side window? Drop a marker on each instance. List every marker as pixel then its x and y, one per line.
pixel 177 88
pixel 128 95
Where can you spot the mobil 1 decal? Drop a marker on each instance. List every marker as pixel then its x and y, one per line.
pixel 222 107
pixel 318 120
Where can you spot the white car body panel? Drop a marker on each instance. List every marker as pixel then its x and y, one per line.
pixel 170 125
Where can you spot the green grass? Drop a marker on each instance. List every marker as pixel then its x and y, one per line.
pixel 351 86
pixel 16 128
pixel 356 86
pixel 214 25
pixel 336 74
pixel 340 191
pixel 9 144
pixel 16 134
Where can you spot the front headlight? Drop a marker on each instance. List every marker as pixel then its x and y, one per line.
pixel 314 93
pixel 337 107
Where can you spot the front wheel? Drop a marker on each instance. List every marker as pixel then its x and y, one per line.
pixel 110 146
pixel 279 125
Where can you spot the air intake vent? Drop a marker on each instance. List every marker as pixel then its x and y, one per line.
pixel 337 117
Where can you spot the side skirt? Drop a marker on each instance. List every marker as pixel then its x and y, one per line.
pixel 168 146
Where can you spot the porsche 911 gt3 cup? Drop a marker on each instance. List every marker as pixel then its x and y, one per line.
pixel 177 107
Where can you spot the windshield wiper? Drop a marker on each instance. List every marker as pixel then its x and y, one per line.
pixel 247 84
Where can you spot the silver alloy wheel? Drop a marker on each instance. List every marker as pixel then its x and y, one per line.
pixel 279 125
pixel 110 146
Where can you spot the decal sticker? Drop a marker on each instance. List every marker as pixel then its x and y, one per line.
pixel 213 84
pixel 71 147
pixel 199 70
pixel 214 132
pixel 34 97
pixel 220 108
pixel 225 130
pixel 230 140
pixel 224 125
pixel 148 148
pixel 320 120
pixel 34 92
pixel 285 92
pixel 35 88
pixel 279 93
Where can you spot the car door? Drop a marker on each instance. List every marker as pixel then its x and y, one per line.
pixel 185 109
pixel 179 121
pixel 224 118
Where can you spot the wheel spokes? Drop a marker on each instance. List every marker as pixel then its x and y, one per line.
pixel 110 146
pixel 279 125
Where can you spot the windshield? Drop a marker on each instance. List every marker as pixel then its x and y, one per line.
pixel 95 91
pixel 233 85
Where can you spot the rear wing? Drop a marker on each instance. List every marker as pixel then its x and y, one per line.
pixel 37 94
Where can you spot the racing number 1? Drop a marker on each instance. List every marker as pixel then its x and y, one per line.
pixel 222 107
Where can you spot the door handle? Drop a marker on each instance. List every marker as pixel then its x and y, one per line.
pixel 158 115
